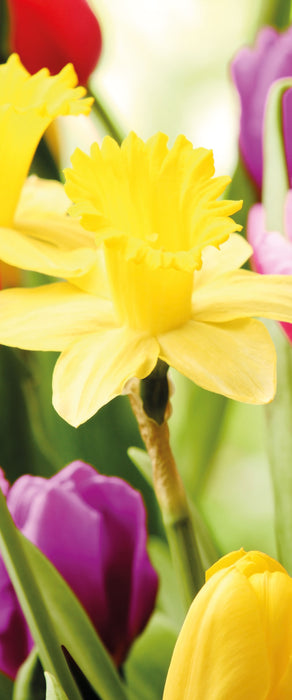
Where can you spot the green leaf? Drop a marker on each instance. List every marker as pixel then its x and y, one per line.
pixel 6 687
pixel 242 187
pixel 148 663
pixel 142 461
pixel 54 690
pixel 279 445
pixel 55 616
pixel 168 601
pixel 30 682
pixel 275 178
pixel 195 427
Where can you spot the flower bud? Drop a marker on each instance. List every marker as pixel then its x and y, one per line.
pixel 254 70
pixel 51 34
pixel 236 641
pixel 92 528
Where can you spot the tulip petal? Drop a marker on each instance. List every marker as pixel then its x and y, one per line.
pixel 272 252
pixel 95 369
pixel 274 592
pixel 236 359
pixel 50 317
pixel 221 650
pixel 241 294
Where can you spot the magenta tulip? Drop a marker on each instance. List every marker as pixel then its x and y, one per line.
pixel 92 528
pixel 272 251
pixel 253 71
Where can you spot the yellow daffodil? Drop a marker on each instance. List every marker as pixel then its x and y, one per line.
pixel 29 209
pixel 154 273
pixel 236 641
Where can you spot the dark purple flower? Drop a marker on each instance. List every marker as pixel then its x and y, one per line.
pixel 253 71
pixel 92 528
pixel 272 252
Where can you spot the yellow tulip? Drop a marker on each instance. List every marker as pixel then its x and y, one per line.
pixel 236 641
pixel 151 273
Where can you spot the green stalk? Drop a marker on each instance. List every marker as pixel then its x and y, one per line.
pixel 279 442
pixel 168 485
pixel 279 411
pixel 103 114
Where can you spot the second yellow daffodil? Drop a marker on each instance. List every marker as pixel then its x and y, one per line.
pixel 152 272
pixel 30 209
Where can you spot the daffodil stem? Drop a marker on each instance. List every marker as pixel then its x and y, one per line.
pixel 172 500
pixel 103 114
pixel 279 444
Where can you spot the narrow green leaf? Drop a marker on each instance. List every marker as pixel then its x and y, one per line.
pixel 279 446
pixel 54 690
pixel 148 663
pixel 142 461
pixel 32 600
pixel 30 682
pixel 168 601
pixel 55 616
pixel 275 179
pixel 6 687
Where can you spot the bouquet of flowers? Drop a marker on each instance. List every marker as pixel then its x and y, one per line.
pixel 145 374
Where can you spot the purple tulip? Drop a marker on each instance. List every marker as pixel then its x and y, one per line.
pixel 92 528
pixel 272 252
pixel 253 72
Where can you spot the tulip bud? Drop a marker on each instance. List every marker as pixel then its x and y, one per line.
pixel 92 528
pixel 254 70
pixel 236 641
pixel 51 34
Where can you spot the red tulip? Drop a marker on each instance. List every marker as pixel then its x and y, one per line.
pixel 51 33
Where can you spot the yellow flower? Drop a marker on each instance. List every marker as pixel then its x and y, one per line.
pixel 156 276
pixel 28 210
pixel 236 641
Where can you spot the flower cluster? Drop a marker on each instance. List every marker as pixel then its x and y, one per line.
pixel 152 272
pixel 142 267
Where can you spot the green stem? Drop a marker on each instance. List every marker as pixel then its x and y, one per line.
pixel 279 412
pixel 103 114
pixel 279 443
pixel 171 497
pixel 185 556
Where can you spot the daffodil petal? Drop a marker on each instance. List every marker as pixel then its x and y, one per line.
pixel 236 359
pixel 241 294
pixel 230 255
pixel 50 317
pixel 41 214
pixel 42 196
pixel 21 249
pixel 95 369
